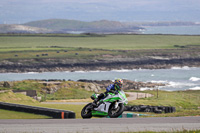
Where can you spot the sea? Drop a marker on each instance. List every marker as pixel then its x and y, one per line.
pixel 176 78
pixel 179 30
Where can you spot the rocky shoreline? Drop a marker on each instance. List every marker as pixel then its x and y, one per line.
pixel 51 86
pixel 127 85
pixel 103 65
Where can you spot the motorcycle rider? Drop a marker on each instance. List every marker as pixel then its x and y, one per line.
pixel 111 88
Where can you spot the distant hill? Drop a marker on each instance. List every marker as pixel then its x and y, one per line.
pixel 75 26
pixel 12 28
pixel 58 24
pixel 63 25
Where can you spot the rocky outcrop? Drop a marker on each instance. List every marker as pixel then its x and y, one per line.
pixel 63 87
pixel 95 85
pixel 53 86
pixel 104 65
pixel 128 84
pixel 6 84
pixel 92 87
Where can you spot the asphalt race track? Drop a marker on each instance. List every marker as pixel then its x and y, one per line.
pixel 99 125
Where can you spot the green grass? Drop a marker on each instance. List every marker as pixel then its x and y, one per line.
pixel 187 103
pixel 6 114
pixel 123 42
pixel 89 47
pixel 11 97
pixel 179 99
pixel 75 108
pixel 27 85
pixel 71 93
pixel 22 99
pixel 66 90
pixel 52 54
pixel 3 88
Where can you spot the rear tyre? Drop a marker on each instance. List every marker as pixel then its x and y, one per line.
pixel 115 112
pixel 86 112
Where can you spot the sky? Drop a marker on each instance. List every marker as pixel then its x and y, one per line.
pixel 22 11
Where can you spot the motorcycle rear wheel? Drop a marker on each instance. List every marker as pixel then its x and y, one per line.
pixel 86 112
pixel 114 113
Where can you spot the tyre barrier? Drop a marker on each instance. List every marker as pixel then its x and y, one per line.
pixel 54 113
pixel 148 108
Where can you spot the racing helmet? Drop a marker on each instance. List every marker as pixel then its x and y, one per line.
pixel 118 83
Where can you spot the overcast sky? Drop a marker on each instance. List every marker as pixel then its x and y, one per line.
pixel 21 11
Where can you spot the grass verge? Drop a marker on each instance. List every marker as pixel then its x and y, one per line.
pixel 187 103
pixel 123 42
pixel 7 114
pixel 11 97
pixel 70 47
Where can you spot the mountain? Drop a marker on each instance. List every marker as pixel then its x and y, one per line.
pixel 75 26
pixel 12 28
pixel 58 24
pixel 102 26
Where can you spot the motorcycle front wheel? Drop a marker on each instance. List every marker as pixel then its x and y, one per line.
pixel 86 112
pixel 115 112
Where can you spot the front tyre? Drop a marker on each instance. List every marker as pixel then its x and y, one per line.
pixel 115 112
pixel 86 112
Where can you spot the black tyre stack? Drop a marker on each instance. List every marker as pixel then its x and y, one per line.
pixel 148 108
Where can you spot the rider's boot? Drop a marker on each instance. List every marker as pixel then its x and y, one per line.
pixel 100 102
pixel 95 102
pixel 97 99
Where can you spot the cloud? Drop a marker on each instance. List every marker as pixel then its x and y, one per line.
pixel 100 9
pixel 122 4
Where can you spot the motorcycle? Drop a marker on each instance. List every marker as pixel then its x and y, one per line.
pixel 112 106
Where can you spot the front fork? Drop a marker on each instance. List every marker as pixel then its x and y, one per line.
pixel 116 104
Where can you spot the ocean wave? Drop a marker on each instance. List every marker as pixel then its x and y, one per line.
pixel 159 88
pixel 122 70
pixel 31 73
pixel 67 71
pixel 143 89
pixel 194 79
pixel 174 84
pixel 184 68
pixel 179 84
pixel 159 81
pixel 97 71
pixel 80 71
pixel 195 88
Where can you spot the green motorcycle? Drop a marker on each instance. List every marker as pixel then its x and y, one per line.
pixel 112 106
